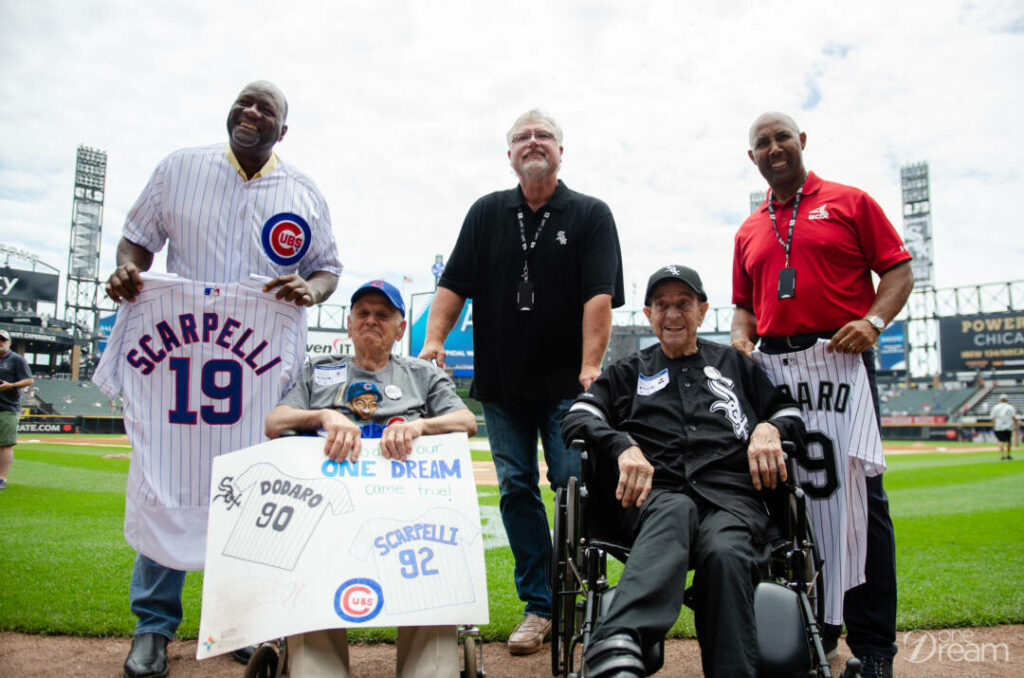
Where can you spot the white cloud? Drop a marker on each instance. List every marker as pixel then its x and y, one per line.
pixel 399 109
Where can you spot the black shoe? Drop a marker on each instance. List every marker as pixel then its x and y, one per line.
pixel 875 667
pixel 148 657
pixel 617 656
pixel 243 654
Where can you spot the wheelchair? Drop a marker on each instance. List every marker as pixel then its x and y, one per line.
pixel 590 525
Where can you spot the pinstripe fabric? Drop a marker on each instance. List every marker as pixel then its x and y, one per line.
pixel 212 220
pixel 279 514
pixel 186 356
pixel 428 544
pixel 835 400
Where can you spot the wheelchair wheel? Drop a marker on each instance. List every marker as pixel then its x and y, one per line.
pixel 263 663
pixel 559 585
pixel 469 650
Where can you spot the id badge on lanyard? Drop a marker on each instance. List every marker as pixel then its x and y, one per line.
pixel 787 276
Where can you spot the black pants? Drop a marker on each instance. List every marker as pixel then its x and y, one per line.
pixel 869 610
pixel 674 534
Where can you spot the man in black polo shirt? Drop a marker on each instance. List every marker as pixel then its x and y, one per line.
pixel 543 267
pixel 695 429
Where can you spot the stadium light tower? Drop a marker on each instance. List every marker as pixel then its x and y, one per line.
pixel 80 301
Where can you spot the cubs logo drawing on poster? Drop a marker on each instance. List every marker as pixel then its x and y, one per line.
pixel 200 367
pixel 843 447
pixel 409 554
pixel 279 514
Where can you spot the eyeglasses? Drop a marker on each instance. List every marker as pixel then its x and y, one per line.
pixel 541 136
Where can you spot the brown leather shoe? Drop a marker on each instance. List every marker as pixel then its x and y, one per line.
pixel 529 636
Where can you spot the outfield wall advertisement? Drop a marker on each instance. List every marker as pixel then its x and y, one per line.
pixel 459 345
pixel 982 342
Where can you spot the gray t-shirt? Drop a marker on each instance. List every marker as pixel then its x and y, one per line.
pixel 13 368
pixel 405 390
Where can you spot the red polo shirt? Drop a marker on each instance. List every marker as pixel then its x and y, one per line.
pixel 840 236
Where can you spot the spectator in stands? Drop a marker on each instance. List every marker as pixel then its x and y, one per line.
pixel 14 375
pixel 1004 416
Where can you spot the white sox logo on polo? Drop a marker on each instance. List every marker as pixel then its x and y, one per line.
pixel 285 238
pixel 818 213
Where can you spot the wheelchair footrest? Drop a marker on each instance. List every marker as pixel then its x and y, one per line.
pixel 781 632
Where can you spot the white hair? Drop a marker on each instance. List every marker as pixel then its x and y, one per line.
pixel 535 115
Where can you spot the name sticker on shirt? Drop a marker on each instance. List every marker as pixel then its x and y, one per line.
pixel 328 375
pixel 645 385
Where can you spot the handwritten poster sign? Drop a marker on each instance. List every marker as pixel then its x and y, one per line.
pixel 297 542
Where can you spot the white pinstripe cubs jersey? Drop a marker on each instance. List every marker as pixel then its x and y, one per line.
pixel 844 447
pixel 421 562
pixel 279 514
pixel 199 366
pixel 222 229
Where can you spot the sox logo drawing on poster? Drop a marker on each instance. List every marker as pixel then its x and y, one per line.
pixel 844 447
pixel 408 553
pixel 200 365
pixel 279 513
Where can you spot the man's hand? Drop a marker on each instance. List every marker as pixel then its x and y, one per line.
pixel 396 441
pixel 292 288
pixel 767 462
pixel 636 477
pixel 5 385
pixel 855 336
pixel 344 439
pixel 125 283
pixel 743 345
pixel 588 373
pixel 433 350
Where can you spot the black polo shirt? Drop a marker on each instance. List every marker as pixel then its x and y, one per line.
pixel 533 355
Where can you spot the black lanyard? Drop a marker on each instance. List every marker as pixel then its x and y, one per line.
pixel 787 245
pixel 529 248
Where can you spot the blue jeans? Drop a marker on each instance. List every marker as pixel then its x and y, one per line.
pixel 155 597
pixel 512 429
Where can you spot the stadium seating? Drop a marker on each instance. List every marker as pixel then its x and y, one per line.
pixel 75 398
pixel 927 401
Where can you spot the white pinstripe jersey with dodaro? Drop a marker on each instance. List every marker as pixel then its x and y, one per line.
pixel 279 514
pixel 410 554
pixel 222 229
pixel 844 447
pixel 200 365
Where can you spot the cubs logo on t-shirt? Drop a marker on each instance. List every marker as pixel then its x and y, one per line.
pixel 286 237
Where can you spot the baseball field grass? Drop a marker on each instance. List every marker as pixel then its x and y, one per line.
pixel 958 512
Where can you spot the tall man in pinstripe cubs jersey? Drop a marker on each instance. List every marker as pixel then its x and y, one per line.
pixel 843 448
pixel 224 212
pixel 802 268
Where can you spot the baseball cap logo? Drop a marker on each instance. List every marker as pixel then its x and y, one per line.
pixel 285 238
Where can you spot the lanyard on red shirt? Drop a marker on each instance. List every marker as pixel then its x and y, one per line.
pixel 787 245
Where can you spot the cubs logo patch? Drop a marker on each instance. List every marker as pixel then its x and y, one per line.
pixel 358 600
pixel 285 238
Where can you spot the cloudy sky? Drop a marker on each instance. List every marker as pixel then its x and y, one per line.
pixel 399 111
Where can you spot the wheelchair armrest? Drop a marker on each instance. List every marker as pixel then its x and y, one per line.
pixel 292 433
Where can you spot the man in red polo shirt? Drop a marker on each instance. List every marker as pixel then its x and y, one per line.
pixel 802 272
